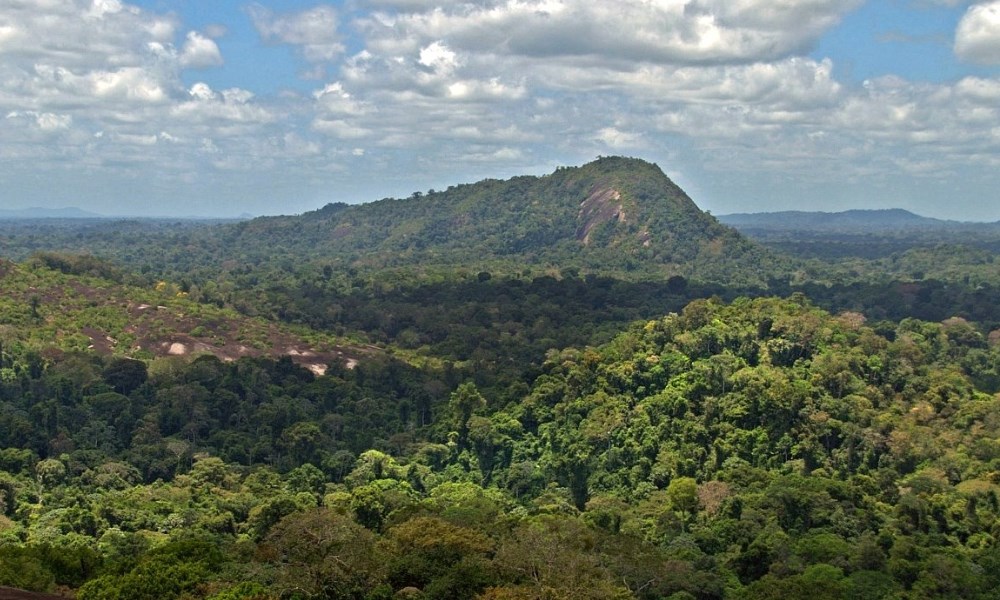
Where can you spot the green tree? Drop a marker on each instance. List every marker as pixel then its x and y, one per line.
pixel 322 554
pixel 465 401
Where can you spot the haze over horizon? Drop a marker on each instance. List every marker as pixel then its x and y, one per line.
pixel 172 108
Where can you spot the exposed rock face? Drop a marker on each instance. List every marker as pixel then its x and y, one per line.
pixel 602 205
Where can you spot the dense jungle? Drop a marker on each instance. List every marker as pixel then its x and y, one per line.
pixel 571 386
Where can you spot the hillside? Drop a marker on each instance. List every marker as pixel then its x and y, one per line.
pixel 754 450
pixel 69 304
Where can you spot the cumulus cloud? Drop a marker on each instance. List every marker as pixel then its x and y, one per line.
pixel 790 84
pixel 199 52
pixel 97 85
pixel 432 71
pixel 102 59
pixel 228 107
pixel 977 38
pixel 617 139
pixel 334 100
pixel 314 30
pixel 977 88
pixel 668 31
pixel 438 58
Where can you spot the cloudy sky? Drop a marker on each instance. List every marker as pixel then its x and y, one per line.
pixel 223 107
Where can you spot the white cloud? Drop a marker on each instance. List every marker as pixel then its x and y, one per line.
pixel 8 36
pixel 617 139
pixel 133 139
pixel 485 91
pixel 793 83
pixel 205 106
pixel 295 145
pixel 52 122
pixel 93 91
pixel 665 31
pixel 131 83
pixel 500 155
pixel 403 5
pixel 200 52
pixel 977 88
pixel 340 128
pixel 977 38
pixel 314 30
pixel 438 58
pixel 76 34
pixel 99 8
pixel 334 100
pixel 44 121
pixel 201 91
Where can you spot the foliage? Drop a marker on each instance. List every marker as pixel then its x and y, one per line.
pixel 750 449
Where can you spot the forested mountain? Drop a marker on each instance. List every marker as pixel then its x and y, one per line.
pixel 614 213
pixel 613 216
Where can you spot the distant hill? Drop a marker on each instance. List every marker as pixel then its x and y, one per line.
pixel 614 214
pixel 852 220
pixel 49 213
pixel 869 234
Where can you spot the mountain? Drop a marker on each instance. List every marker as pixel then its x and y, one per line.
pixel 49 213
pixel 850 220
pixel 615 214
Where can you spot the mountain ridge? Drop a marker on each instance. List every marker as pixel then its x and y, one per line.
pixel 889 219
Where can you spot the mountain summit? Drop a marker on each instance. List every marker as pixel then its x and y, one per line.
pixel 615 214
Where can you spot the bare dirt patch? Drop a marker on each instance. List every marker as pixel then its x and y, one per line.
pixel 99 341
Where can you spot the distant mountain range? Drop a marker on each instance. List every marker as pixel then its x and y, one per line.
pixel 850 221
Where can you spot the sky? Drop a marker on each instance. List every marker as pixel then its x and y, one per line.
pixel 225 107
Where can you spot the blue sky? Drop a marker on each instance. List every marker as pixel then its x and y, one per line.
pixel 223 107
